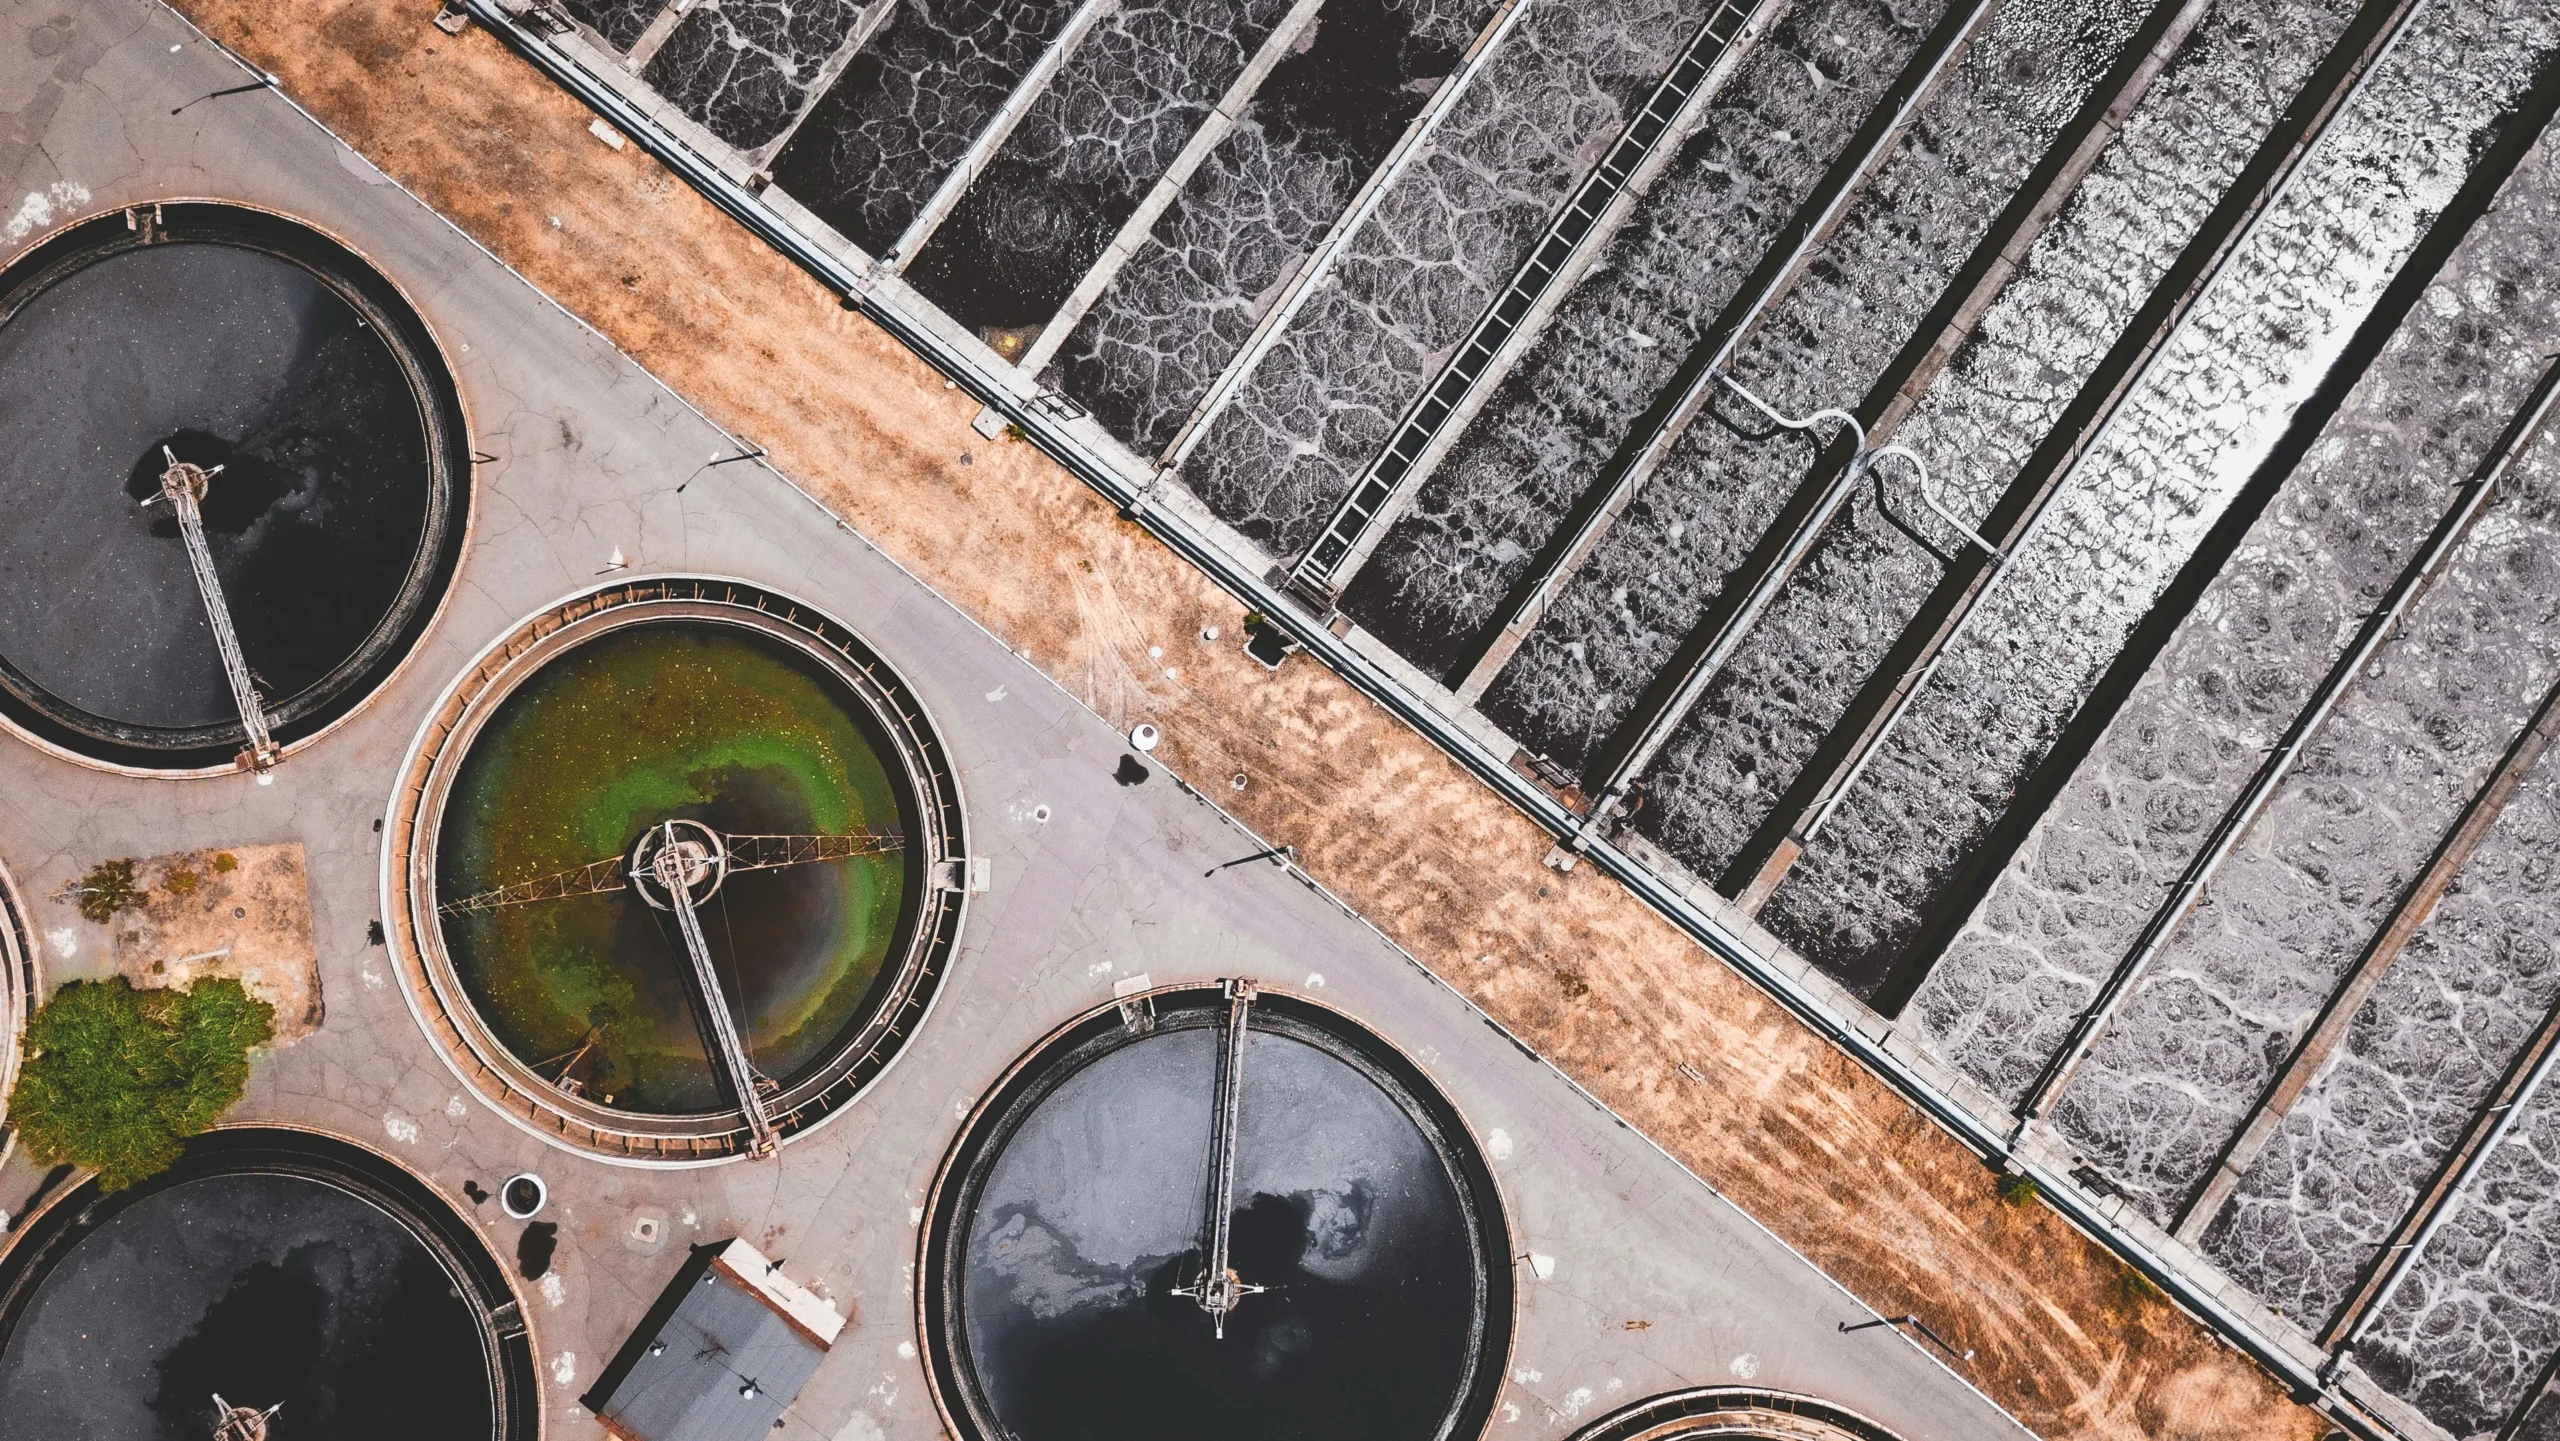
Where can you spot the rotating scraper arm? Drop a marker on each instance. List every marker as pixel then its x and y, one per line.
pixel 763 853
pixel 746 853
pixel 676 858
pixel 593 878
pixel 183 486
pixel 670 872
pixel 1219 1288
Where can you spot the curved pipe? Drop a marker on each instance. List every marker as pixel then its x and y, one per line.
pixel 1865 458
pixel 1929 497
pixel 1807 422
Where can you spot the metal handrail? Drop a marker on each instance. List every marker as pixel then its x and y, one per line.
pixel 1628 472
pixel 1397 472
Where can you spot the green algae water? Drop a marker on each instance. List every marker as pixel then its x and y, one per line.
pixel 672 721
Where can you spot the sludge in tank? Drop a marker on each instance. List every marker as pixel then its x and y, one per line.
pixel 682 876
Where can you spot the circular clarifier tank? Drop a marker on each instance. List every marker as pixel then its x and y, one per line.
pixel 306 391
pixel 1077 1285
pixel 19 987
pixel 702 738
pixel 273 1269
pixel 1733 1413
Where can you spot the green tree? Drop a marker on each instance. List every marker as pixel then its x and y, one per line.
pixel 117 1079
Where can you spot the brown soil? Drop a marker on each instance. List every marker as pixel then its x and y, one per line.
pixel 243 913
pixel 1790 1128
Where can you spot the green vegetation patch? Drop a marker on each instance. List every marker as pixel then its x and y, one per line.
pixel 691 721
pixel 108 890
pixel 117 1079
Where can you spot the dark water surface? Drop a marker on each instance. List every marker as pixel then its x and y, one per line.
pixel 745 67
pixel 264 1288
pixel 620 22
pixel 1093 1212
pixel 227 356
pixel 1118 114
pixel 1190 297
pixel 877 145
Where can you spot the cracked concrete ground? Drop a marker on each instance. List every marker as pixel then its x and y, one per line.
pixel 1797 1135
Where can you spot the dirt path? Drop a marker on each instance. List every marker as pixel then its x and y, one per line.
pixel 1788 1127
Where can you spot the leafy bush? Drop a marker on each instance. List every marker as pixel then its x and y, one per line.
pixel 2018 1191
pixel 117 1079
pixel 108 888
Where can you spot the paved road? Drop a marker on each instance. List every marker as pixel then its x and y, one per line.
pixel 1635 1277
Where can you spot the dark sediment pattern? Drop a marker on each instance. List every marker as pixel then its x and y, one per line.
pixel 1825 343
pixel 1062 185
pixel 1502 494
pixel 1440 246
pixel 618 21
pixel 2542 1423
pixel 1073 1219
pixel 2182 445
pixel 2246 973
pixel 877 145
pixel 2480 1313
pixel 744 67
pixel 2422 1056
pixel 1188 299
pixel 2196 728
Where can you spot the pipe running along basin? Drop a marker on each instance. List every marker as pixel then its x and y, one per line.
pixel 318 1287
pixel 323 455
pixel 1219 1209
pixel 681 870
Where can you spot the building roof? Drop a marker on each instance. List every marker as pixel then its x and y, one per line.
pixel 720 1356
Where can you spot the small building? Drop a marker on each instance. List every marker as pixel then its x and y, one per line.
pixel 720 1356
